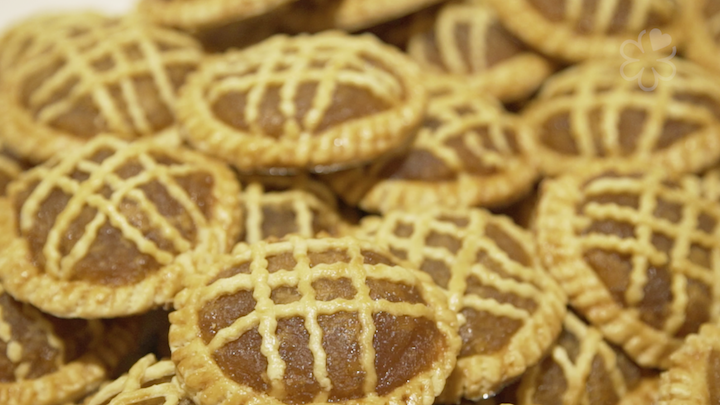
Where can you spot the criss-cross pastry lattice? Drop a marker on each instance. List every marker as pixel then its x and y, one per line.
pixel 275 214
pixel 312 320
pixel 104 231
pixel 637 253
pixel 580 366
pixel 694 374
pixel 147 381
pixel 583 29
pixel 74 81
pixel 46 360
pixel 468 152
pixel 510 309
pixel 326 100
pixel 22 39
pixel 702 25
pixel 467 44
pixel 591 113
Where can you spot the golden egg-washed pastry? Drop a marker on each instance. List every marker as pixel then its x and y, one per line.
pixel 10 169
pixel 303 321
pixel 148 381
pixel 22 40
pixel 694 374
pixel 82 77
pixel 105 231
pixel 348 15
pixel 468 151
pixel 510 309
pixel 46 360
pixel 576 30
pixel 299 181
pixel 467 44
pixel 582 368
pixel 194 14
pixel 591 113
pixel 317 102
pixel 636 252
pixel 275 214
pixel 702 23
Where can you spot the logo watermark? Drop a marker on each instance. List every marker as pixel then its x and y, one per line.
pixel 658 41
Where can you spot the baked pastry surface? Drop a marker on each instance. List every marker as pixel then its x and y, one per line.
pixel 590 112
pixel 510 309
pixel 195 14
pixel 317 102
pixel 277 213
pixel 46 360
pixel 694 374
pixel 633 249
pixel 576 30
pixel 468 151
pixel 148 381
pixel 312 321
pixel 468 45
pixel 75 76
pixel 108 230
pixel 582 365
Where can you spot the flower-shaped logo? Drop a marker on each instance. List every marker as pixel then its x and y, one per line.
pixel 658 41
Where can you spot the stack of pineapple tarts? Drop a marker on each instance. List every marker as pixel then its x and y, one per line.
pixel 416 202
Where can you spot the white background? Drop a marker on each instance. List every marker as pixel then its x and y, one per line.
pixel 12 11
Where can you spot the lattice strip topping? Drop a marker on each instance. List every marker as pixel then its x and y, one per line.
pixel 470 239
pixel 103 63
pixel 589 367
pixel 608 16
pixel 601 114
pixel 278 213
pixel 379 290
pixel 97 185
pixel 147 380
pixel 668 229
pixel 289 65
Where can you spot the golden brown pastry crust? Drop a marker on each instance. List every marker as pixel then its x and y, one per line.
pixel 348 15
pixel 700 20
pixel 57 287
pixel 481 156
pixel 692 377
pixel 84 74
pixel 362 262
pixel 195 14
pixel 631 247
pixel 586 367
pixel 21 40
pixel 147 380
pixel 589 113
pixel 302 81
pixel 279 213
pixel 490 271
pixel 468 45
pixel 110 342
pixel 574 34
